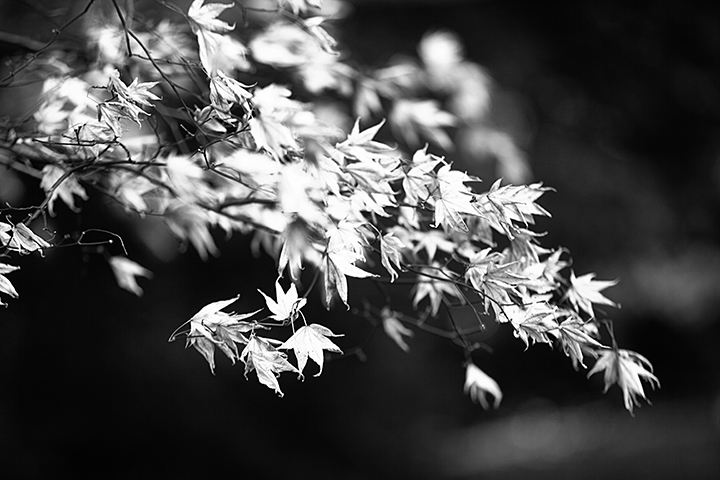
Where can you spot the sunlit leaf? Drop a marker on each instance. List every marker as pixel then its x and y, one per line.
pixel 584 291
pixel 628 369
pixel 288 303
pixel 21 239
pixel 300 6
pixel 267 362
pixel 437 284
pixel 310 341
pixel 575 340
pixel 391 254
pixel 211 328
pixel 204 16
pixel 5 286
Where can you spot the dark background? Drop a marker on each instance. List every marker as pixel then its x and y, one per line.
pixel 618 108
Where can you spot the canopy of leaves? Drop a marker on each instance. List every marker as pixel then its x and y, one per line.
pixel 223 129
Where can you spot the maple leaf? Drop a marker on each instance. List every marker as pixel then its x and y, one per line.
pixel 367 101
pixel 300 6
pixel 398 78
pixel 306 48
pixel 298 246
pixel 274 126
pixel 204 17
pixel 211 328
pixel 186 176
pixel 59 184
pixel 283 45
pixel 584 291
pixel 130 98
pixel 552 266
pixel 435 282
pixel 394 328
pixel 478 384
pixel 346 245
pixel 224 91
pixel 322 37
pixel 431 241
pixel 109 126
pixel 363 201
pixel 276 101
pixel 369 169
pixel 417 183
pixel 192 223
pixel 478 265
pixel 411 119
pixel 324 72
pixel 273 136
pixel 544 277
pixel 339 264
pixel 452 199
pixel 627 369
pixel 220 52
pixel 129 189
pixel 372 176
pixel 447 215
pixel 21 239
pixel 575 339
pixel 287 306
pixel 494 280
pixel 310 341
pixel 502 206
pixel 298 194
pixel 360 144
pixel 268 362
pixel 391 254
pixel 67 102
pixel 5 286
pixel 126 272
pixel 534 322
pixel 207 119
pixel 140 92
pixel 370 183
pixel 347 235
pixel 51 116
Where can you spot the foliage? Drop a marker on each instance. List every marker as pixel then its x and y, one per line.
pixel 232 117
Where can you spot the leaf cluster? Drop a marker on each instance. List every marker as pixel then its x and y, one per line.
pixel 194 126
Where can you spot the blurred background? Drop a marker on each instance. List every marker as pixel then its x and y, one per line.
pixel 615 105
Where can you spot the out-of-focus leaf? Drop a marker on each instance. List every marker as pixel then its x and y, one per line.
pixel 204 16
pixel 126 272
pixel 59 184
pixel 437 283
pixel 478 384
pixel 394 329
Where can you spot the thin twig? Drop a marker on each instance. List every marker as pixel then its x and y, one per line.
pixel 56 33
